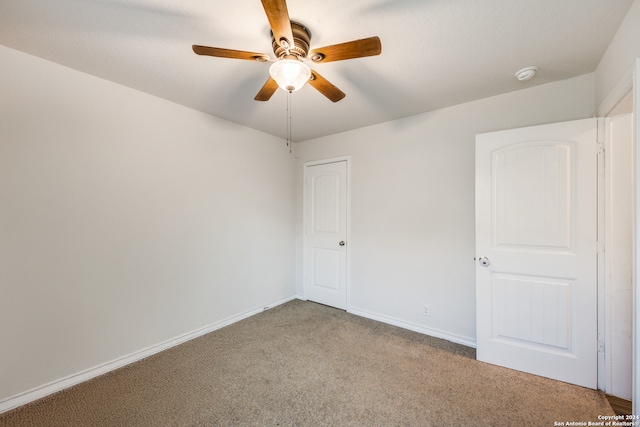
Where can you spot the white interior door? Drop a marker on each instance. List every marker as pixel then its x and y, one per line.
pixel 536 228
pixel 325 238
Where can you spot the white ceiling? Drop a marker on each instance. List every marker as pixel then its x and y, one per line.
pixel 435 53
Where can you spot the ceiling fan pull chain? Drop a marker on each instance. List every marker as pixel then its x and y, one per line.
pixel 289 121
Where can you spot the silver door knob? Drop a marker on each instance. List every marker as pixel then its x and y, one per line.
pixel 484 261
pixel 342 243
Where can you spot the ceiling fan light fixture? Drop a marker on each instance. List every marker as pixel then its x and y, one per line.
pixel 290 74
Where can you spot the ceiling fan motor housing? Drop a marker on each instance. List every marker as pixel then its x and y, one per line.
pixel 301 42
pixel 291 43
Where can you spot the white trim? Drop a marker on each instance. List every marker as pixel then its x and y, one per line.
pixel 79 377
pixel 604 373
pixel 622 88
pixel 348 213
pixel 626 84
pixel 305 166
pixel 469 342
pixel 327 161
pixel 613 265
pixel 636 237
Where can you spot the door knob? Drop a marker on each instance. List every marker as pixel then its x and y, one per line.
pixel 342 243
pixel 484 261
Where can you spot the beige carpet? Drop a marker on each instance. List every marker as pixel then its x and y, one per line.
pixel 304 364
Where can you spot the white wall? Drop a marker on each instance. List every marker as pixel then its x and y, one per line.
pixel 126 220
pixel 412 203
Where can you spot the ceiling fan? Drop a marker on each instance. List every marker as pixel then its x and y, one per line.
pixel 291 45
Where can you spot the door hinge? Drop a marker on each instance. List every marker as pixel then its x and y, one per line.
pixel 600 247
pixel 600 346
pixel 600 147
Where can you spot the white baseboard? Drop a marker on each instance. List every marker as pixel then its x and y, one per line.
pixel 413 327
pixel 73 379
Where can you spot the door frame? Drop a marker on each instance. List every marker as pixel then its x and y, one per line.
pixel 611 263
pixel 305 167
pixel 636 235
pixel 630 82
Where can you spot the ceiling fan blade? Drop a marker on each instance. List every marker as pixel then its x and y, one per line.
pixel 278 17
pixel 229 53
pixel 267 90
pixel 325 87
pixel 354 49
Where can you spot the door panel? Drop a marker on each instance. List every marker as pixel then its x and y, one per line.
pixel 536 234
pixel 532 189
pixel 326 268
pixel 325 224
pixel 540 307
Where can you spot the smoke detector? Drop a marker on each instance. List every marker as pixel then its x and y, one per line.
pixel 526 73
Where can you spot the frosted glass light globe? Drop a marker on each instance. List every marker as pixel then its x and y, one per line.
pixel 290 74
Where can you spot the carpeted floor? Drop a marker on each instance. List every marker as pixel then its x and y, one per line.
pixel 305 364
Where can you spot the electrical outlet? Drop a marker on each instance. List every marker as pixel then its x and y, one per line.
pixel 426 310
